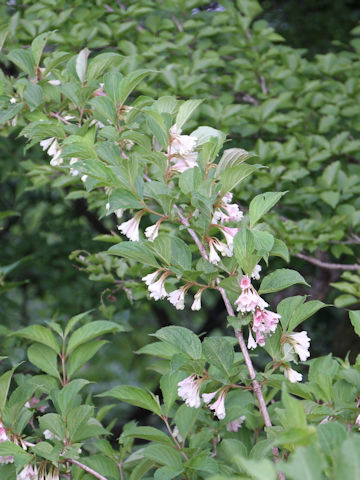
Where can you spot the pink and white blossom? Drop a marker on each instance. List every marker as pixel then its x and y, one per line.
pixel 208 397
pixel 4 438
pixel 188 390
pixel 264 323
pixel 235 424
pixel 292 375
pixel 131 227
pixel 251 342
pixel 29 472
pixel 249 299
pixel 219 406
pixel 229 234
pixel 184 162
pixel 301 344
pixel 357 421
pixel 73 171
pixel 215 243
pixel 227 212
pixel 180 144
pixel 177 298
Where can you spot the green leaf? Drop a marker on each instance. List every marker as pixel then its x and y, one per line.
pixel 112 81
pixel 129 83
pixel 44 358
pixel 347 464
pixel 33 96
pixel 140 469
pixel 355 320
pixel 231 158
pixel 281 279
pixel 67 395
pixel 264 241
pixel 280 249
pixel 261 204
pixel 331 435
pixel 219 352
pixel 102 62
pixel 38 44
pixel 190 180
pixel 185 111
pixel 304 464
pixel 54 423
pixel 182 338
pixel 105 109
pixel 134 251
pixel 164 455
pixel 147 433
pixel 331 198
pixel 302 312
pixel 90 331
pixel 121 198
pixel 257 469
pixel 5 380
pixel 156 124
pixel 81 64
pixel 23 59
pixel 168 385
pixel 231 177
pixel 9 113
pixel 40 334
pixel 185 419
pixel 167 473
pixel 135 396
pixel 74 321
pixel 83 354
pixel 244 246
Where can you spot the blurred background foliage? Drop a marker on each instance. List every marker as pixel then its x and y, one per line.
pixel 283 82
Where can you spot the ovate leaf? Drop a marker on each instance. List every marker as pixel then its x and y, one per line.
pixel 281 279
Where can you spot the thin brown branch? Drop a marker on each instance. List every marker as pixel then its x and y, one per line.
pixel 256 386
pixel 87 469
pixel 59 117
pixel 327 265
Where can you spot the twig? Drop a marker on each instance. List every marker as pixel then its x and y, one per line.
pixel 87 469
pixel 327 265
pixel 256 386
pixel 59 117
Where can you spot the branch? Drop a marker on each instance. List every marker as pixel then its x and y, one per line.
pixel 241 341
pixel 87 469
pixel 327 265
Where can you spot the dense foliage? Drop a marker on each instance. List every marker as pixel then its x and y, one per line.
pixel 107 90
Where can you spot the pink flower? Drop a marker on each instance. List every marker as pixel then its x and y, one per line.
pixel 235 424
pixel 219 406
pixel 251 342
pixel 227 212
pixel 29 472
pixel 215 243
pixel 249 299
pixel 357 421
pixel 131 227
pixel 4 438
pixel 188 390
pixel 184 162
pixel 229 234
pixel 264 323
pixel 207 397
pixel 180 144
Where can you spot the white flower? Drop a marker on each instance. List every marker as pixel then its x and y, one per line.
pixel 4 438
pixel 12 100
pixel 229 234
pixel 119 212
pixel 251 342
pixel 301 343
pixel 197 301
pixel 131 227
pixel 292 375
pixel 28 473
pixel 207 397
pixel 55 83
pixel 235 424
pixel 249 299
pixel 176 434
pixel 188 390
pixel 107 206
pixel 180 144
pixel 84 178
pixel 213 256
pixel 153 231
pixel 45 144
pixel 219 406
pixel 157 289
pixel 256 272
pixel 49 435
pixel 151 277
pixel 177 298
pixel 73 171
pixel 357 421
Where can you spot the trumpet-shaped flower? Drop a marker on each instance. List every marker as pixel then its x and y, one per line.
pixel 151 277
pixel 235 424
pixel 188 390
pixel 227 212
pixel 197 300
pixel 292 375
pixel 177 298
pixel 157 289
pixel 219 406
pixel 264 323
pixel 131 227
pixel 29 472
pixel 153 231
pixel 229 234
pixel 249 299
pixel 251 342
pixel 256 272
pixel 301 344
pixel 208 397
pixel 180 144
pixel 184 162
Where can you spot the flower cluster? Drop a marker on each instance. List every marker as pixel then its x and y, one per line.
pixel 226 211
pixel 52 147
pixel 156 287
pixel 180 151
pixel 264 321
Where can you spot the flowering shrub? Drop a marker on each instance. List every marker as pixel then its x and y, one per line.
pixel 181 235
